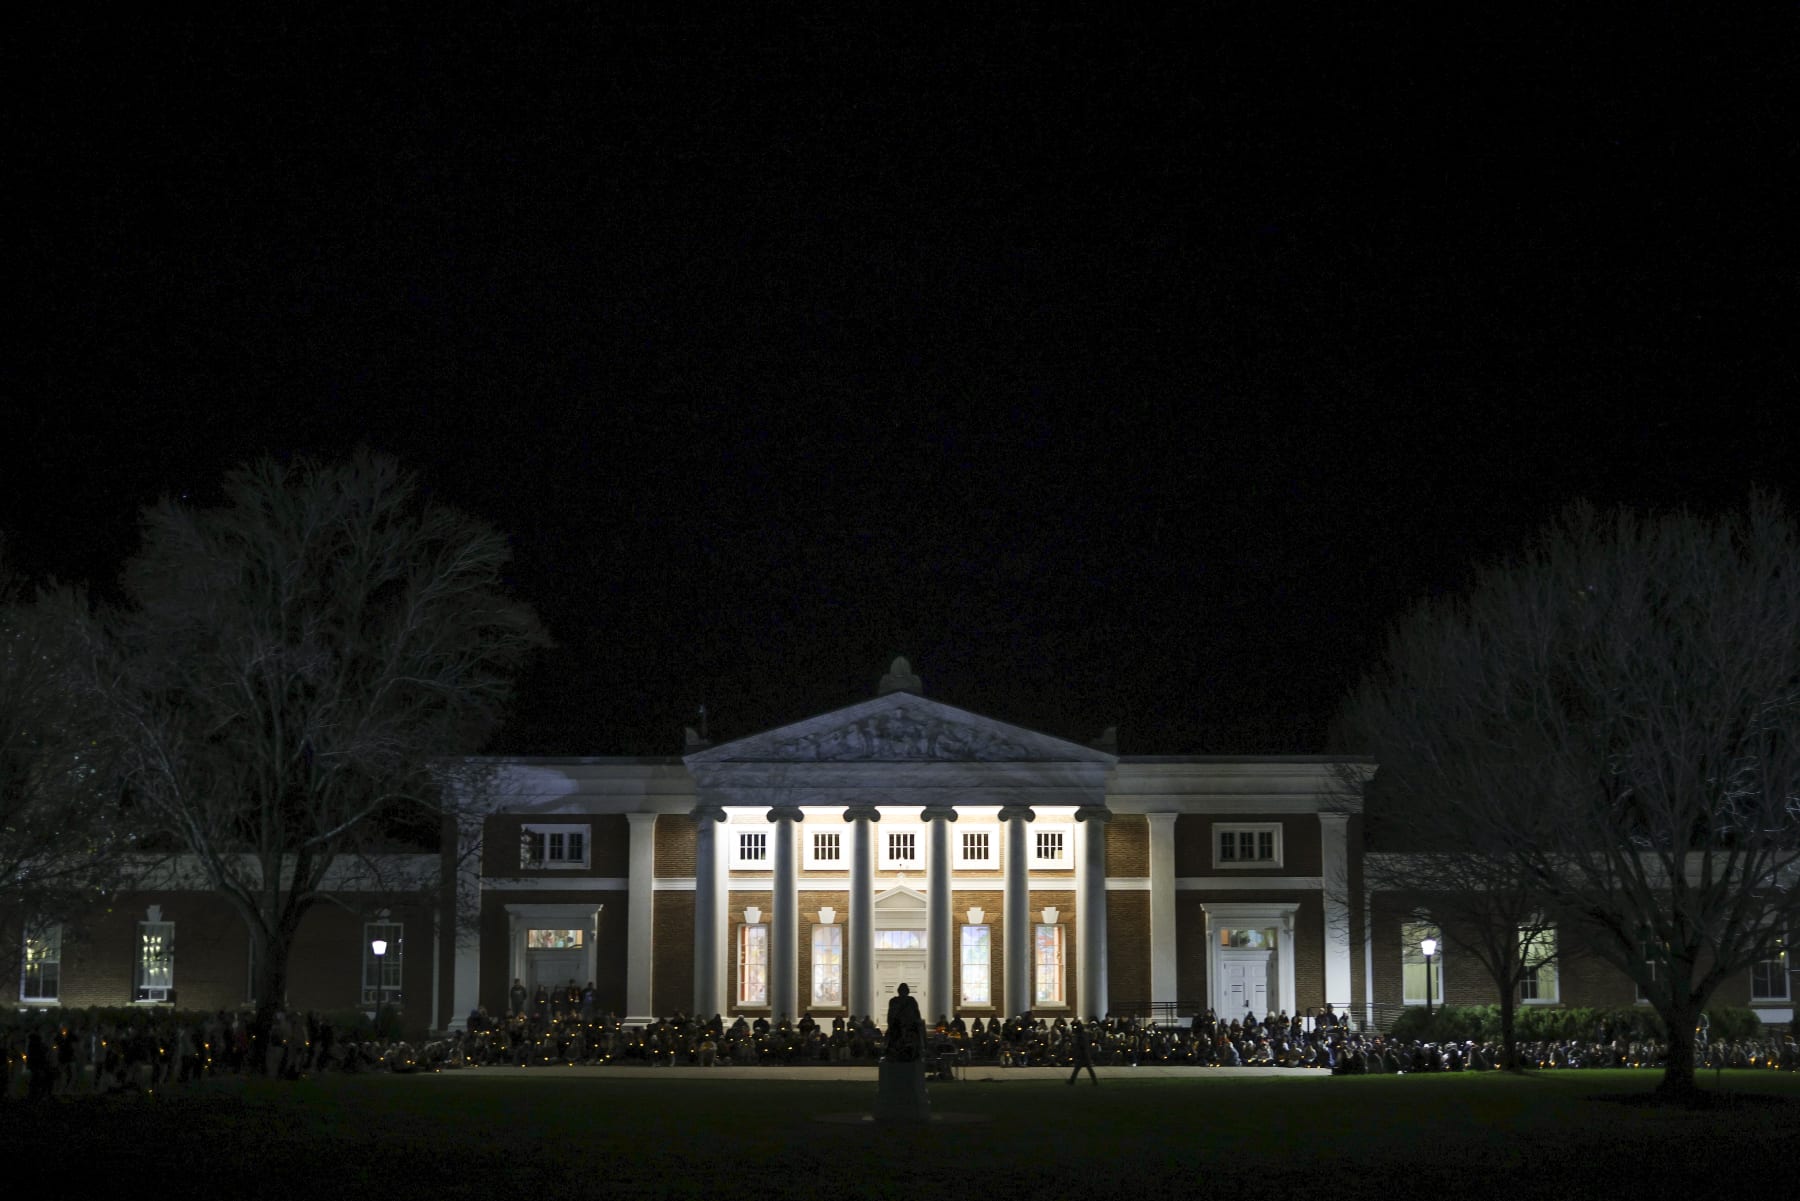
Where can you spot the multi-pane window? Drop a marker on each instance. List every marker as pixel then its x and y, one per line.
pixel 155 961
pixel 1048 847
pixel 902 848
pixel 977 847
pixel 827 848
pixel 1537 950
pixel 1249 846
pixel 753 964
pixel 1412 962
pixel 40 976
pixel 553 847
pixel 753 848
pixel 899 940
pixel 1769 977
pixel 381 973
pixel 1049 966
pixel 977 966
pixel 828 965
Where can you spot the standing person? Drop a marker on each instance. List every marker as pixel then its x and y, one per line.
pixel 515 997
pixel 1084 1053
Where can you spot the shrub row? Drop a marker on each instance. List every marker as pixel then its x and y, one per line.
pixel 1532 1023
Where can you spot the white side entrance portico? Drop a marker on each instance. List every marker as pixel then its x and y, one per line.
pixel 1250 957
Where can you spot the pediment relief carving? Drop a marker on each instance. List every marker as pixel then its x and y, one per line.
pixel 904 735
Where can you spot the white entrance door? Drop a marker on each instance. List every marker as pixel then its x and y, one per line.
pixel 1243 984
pixel 892 969
pixel 554 969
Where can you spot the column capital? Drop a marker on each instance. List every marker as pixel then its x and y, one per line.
pixel 639 819
pixel 789 813
pixel 862 812
pixel 1093 813
pixel 707 811
pixel 1013 812
pixel 1333 817
pixel 938 813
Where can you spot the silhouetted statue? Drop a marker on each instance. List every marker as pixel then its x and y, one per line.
pixel 905 1028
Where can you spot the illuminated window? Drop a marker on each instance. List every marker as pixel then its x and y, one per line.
pixel 1769 977
pixel 1412 963
pixel 753 964
pixel 1049 974
pixel 555 940
pixel 828 965
pixel 977 969
pixel 900 940
pixel 1247 846
pixel 155 959
pixel 381 973
pixel 1048 848
pixel 1537 948
pixel 40 977
pixel 553 847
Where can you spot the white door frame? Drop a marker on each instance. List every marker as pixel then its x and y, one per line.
pixel 1256 915
pixel 520 918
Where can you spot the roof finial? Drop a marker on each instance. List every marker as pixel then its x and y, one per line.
pixel 900 678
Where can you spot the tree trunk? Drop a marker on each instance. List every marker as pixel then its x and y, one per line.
pixel 1509 1029
pixel 1679 1082
pixel 271 992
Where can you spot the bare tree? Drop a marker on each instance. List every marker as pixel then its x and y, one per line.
pixel 293 663
pixel 1611 723
pixel 63 844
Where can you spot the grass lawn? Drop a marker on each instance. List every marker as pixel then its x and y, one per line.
pixel 531 1135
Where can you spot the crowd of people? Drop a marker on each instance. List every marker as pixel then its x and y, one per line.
pixel 150 1051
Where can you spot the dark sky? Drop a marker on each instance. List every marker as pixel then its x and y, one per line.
pixel 1119 374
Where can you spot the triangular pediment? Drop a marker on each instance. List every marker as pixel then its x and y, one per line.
pixel 900 728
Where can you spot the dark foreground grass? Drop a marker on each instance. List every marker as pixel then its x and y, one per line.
pixel 534 1135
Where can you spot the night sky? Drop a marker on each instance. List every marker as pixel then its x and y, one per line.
pixel 1132 374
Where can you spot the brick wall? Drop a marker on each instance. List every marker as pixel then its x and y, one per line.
pixel 675 845
pixel 672 958
pixel 1301 854
pixel 1128 845
pixel 1127 948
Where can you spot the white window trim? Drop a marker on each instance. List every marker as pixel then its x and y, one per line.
pixel 965 973
pixel 52 936
pixel 1409 944
pixel 814 863
pixel 1221 828
pixel 917 863
pixel 154 918
pixel 561 860
pixel 739 862
pixel 1067 859
pixel 393 963
pixel 1786 974
pixel 827 934
pixel 993 848
pixel 1062 967
pixel 1555 965
pixel 744 999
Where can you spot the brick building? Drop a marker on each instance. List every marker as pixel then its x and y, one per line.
pixel 815 867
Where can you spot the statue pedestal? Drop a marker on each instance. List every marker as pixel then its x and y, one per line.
pixel 902 1092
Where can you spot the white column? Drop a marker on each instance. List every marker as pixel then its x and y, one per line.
pixel 1090 907
pixel 1017 915
pixel 1335 854
pixel 859 944
pixel 707 1000
pixel 1164 984
pixel 465 989
pixel 640 924
pixel 940 980
pixel 784 922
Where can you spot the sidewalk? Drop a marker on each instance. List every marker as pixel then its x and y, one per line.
pixel 976 1074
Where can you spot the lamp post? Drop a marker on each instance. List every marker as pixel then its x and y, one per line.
pixel 1429 946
